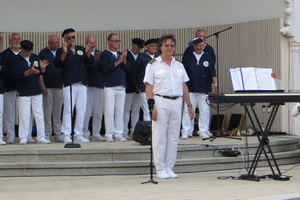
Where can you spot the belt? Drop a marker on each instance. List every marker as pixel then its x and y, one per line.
pixel 168 97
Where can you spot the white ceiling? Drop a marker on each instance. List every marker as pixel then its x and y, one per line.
pixel 84 15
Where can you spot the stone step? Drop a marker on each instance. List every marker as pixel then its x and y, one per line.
pixel 194 155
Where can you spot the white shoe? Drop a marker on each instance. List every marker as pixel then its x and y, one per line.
pixel 184 136
pixel 120 138
pixel 80 139
pixel 10 140
pixel 47 138
pixel 125 135
pixel 97 138
pixel 190 135
pixel 209 134
pixel 171 173
pixel 109 138
pixel 2 142
pixel 58 138
pixel 43 141
pixel 163 175
pixel 30 140
pixel 23 141
pixel 204 136
pixel 67 139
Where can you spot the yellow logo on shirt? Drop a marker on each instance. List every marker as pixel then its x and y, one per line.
pixel 205 63
pixel 79 52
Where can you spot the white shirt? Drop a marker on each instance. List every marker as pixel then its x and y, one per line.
pixel 166 80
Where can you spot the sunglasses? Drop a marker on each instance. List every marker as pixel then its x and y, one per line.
pixel 116 41
pixel 169 45
pixel 71 37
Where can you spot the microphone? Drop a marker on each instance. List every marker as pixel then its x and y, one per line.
pixel 151 103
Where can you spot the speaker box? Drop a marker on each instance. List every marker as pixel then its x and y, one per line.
pixel 142 132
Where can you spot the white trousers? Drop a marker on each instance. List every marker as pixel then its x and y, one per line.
pixel 1 116
pixel 200 100
pixel 9 115
pixel 165 132
pixel 26 105
pixel 53 103
pixel 94 108
pixel 114 100
pixel 144 107
pixel 79 98
pixel 133 104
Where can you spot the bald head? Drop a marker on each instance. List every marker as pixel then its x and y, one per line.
pixel 91 40
pixel 53 42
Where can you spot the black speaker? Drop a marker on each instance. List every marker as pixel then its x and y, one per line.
pixel 142 132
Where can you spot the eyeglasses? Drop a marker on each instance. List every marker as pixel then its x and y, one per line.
pixel 116 41
pixel 71 37
pixel 169 45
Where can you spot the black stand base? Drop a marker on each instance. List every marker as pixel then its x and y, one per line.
pixel 150 181
pixel 249 177
pixel 72 145
pixel 220 135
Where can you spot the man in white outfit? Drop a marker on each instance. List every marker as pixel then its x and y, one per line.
pixel 165 80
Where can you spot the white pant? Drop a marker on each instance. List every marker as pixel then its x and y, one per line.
pixel 79 98
pixel 53 102
pixel 165 132
pixel 1 116
pixel 26 105
pixel 200 100
pixel 133 104
pixel 114 100
pixel 144 107
pixel 94 108
pixel 9 112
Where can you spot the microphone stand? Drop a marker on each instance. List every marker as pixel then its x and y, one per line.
pixel 151 151
pixel 219 134
pixel 71 144
pixel 217 41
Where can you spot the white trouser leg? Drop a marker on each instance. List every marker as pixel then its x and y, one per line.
pixel 127 107
pixel 80 104
pixel 204 113
pixel 187 124
pixel 66 120
pixel 88 111
pixel 165 132
pixel 9 102
pixel 98 111
pixel 24 116
pixel 109 110
pixel 119 112
pixel 144 106
pixel 38 114
pixel 135 111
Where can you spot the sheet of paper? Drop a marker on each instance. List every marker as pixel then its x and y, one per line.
pixel 249 78
pixel 265 79
pixel 236 78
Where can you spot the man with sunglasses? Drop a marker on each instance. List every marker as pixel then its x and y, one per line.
pixel 73 60
pixel 165 80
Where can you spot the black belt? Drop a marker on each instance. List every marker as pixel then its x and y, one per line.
pixel 168 97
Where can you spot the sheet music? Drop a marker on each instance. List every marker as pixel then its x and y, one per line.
pixel 265 79
pixel 236 78
pixel 250 78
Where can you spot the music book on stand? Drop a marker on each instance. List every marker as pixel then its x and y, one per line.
pixel 250 79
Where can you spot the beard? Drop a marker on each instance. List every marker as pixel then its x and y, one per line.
pixel 17 46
